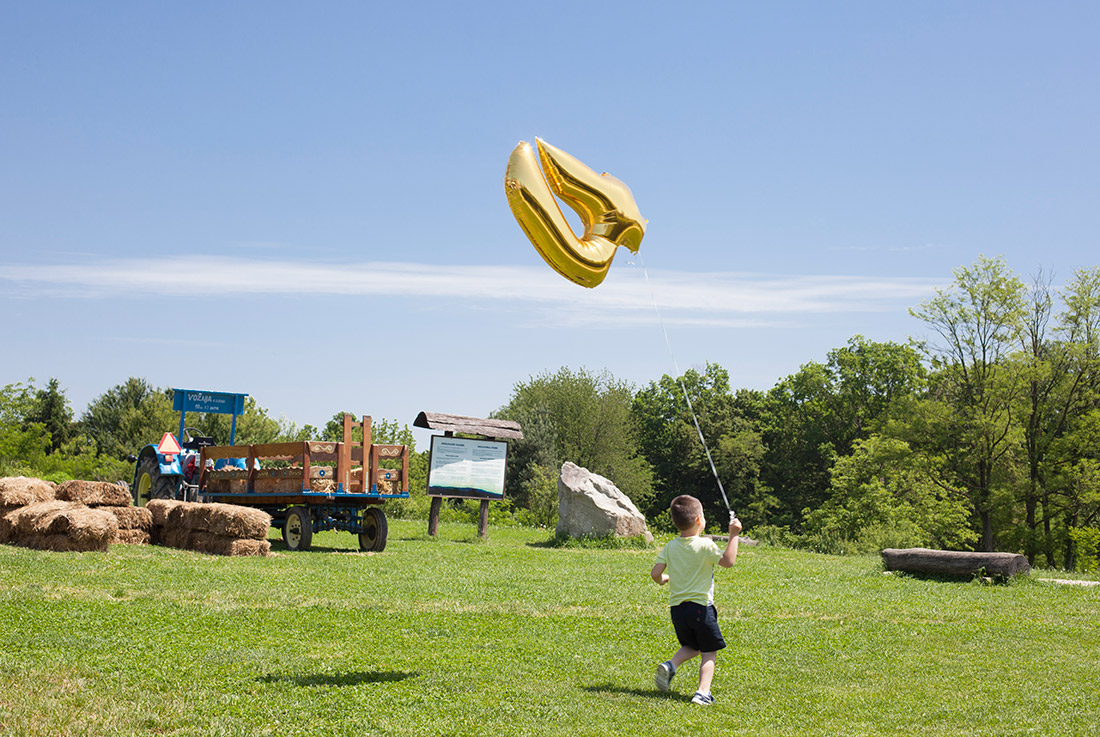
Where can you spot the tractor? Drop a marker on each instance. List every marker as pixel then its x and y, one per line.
pixel 171 471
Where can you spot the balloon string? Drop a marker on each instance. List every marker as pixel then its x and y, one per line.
pixel 683 387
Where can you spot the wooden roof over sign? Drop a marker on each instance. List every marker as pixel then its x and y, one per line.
pixel 489 428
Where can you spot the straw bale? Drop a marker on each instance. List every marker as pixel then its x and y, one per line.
pixel 94 493
pixel 322 486
pixel 205 542
pixel 174 537
pixel 22 521
pixel 62 543
pixel 227 520
pixel 6 527
pixel 87 527
pixel 182 515
pixel 179 516
pixel 230 520
pixel 133 537
pixel 131 518
pixel 19 491
pixel 160 509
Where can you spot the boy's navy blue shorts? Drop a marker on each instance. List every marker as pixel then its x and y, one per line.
pixel 696 627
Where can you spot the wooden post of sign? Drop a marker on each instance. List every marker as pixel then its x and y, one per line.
pixel 437 504
pixel 483 520
pixel 433 515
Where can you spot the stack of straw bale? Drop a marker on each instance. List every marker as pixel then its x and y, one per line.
pixel 134 523
pixel 60 526
pixel 19 491
pixel 217 529
pixel 93 493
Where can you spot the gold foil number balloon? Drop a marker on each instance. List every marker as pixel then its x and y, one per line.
pixel 605 206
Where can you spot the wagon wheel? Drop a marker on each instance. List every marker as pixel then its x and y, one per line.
pixel 150 484
pixel 297 529
pixel 375 530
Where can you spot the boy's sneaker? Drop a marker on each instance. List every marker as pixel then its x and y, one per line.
pixel 663 679
pixel 702 699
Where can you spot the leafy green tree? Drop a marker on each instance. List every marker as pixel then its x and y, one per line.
pixel 886 495
pixel 669 439
pixel 128 416
pixel 1076 481
pixel 21 443
pixel 540 507
pixel 1086 541
pixel 50 408
pixel 22 449
pixel 584 418
pixel 1063 463
pixel 813 417
pixel 978 321
pixel 1063 372
pixel 386 432
pixel 27 446
pixel 16 402
pixel 532 460
pixel 254 426
pixel 1047 369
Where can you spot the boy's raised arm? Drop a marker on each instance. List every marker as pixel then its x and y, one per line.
pixel 729 557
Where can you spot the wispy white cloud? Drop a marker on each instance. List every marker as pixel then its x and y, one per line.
pixel 887 249
pixel 629 295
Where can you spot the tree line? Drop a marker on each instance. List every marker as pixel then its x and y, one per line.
pixel 40 436
pixel 985 435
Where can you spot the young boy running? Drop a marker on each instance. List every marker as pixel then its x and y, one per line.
pixel 690 561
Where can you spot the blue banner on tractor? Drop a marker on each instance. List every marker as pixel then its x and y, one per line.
pixel 221 403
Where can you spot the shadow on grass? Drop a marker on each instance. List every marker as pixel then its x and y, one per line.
pixel 341 679
pixel 280 547
pixel 962 578
pixel 608 542
pixel 551 543
pixel 651 693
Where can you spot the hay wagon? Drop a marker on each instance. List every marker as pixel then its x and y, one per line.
pixel 311 486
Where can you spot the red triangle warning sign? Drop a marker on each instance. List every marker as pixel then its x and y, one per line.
pixel 169 446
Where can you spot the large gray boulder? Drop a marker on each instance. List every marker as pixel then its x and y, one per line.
pixel 590 505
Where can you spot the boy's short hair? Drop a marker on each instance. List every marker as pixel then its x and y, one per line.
pixel 684 509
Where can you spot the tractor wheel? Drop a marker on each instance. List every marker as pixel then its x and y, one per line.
pixel 150 484
pixel 298 529
pixel 375 530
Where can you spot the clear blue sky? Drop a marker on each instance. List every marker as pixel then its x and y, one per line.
pixel 305 201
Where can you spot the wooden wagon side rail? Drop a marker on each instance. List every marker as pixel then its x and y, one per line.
pixel 304 454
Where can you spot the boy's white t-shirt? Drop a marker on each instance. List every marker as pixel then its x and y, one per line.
pixel 689 563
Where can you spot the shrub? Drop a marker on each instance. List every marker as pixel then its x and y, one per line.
pixel 1087 540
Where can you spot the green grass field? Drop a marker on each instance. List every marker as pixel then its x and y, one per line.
pixel 457 636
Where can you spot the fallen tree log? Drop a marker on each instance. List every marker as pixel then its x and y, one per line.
pixel 954 562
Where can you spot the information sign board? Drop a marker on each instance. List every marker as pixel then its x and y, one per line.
pixel 222 403
pixel 467 468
